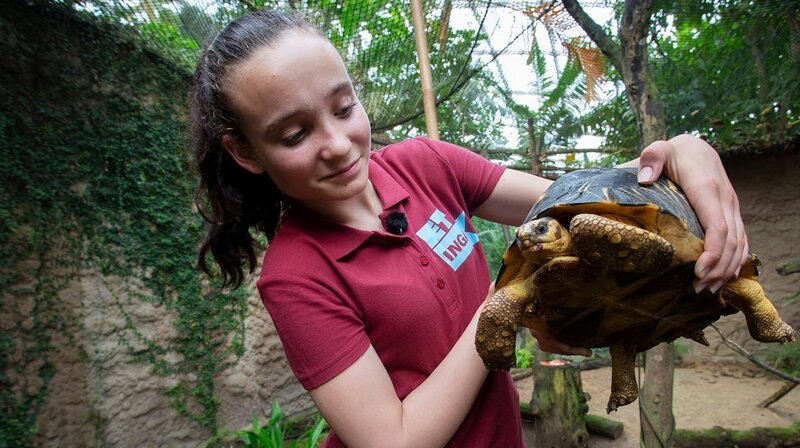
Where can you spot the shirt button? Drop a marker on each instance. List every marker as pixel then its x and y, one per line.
pixel 424 261
pixel 440 284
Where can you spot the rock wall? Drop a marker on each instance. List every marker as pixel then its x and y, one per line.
pixel 100 397
pixel 768 187
pixel 100 394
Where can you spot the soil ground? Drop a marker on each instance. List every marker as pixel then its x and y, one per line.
pixel 705 395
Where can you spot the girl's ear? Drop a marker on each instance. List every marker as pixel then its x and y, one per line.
pixel 241 154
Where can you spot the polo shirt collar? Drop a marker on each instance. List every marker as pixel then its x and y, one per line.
pixel 340 240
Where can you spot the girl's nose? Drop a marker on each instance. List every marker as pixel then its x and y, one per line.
pixel 336 141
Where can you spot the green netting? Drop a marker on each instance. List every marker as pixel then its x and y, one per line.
pixel 557 86
pixel 375 38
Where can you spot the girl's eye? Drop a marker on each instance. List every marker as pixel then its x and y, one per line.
pixel 294 138
pixel 345 111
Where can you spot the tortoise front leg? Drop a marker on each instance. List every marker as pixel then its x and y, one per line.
pixel 622 247
pixel 496 334
pixel 624 389
pixel 762 318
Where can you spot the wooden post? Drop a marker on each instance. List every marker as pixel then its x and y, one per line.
pixel 559 405
pixel 428 97
pixel 655 398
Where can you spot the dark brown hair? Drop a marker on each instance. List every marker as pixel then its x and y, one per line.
pixel 231 199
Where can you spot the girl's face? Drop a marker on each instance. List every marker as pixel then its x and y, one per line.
pixel 301 120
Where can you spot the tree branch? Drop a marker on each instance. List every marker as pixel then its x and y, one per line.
pixel 740 350
pixel 604 42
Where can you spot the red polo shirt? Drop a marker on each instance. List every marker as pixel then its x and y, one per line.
pixel 332 290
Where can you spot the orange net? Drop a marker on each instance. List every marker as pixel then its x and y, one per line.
pixel 590 59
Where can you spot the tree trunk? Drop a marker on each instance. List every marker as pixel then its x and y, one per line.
pixel 655 398
pixel 629 58
pixel 640 87
pixel 559 406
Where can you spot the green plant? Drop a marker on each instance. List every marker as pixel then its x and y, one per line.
pixel 524 357
pixel 278 432
pixel 785 357
pixel 493 242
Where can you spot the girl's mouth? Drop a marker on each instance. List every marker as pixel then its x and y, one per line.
pixel 347 172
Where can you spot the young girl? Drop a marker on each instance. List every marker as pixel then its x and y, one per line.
pixel 373 277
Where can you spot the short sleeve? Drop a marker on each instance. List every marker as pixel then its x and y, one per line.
pixel 476 176
pixel 321 334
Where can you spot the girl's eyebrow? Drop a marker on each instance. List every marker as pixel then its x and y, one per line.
pixel 336 89
pixel 339 87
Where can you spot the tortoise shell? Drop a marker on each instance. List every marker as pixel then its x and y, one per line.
pixel 588 305
pixel 602 261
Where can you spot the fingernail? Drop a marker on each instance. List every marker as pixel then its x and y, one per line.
pixel 715 287
pixel 645 173
pixel 703 274
pixel 736 274
pixel 698 288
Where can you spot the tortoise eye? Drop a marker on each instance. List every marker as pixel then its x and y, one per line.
pixel 541 228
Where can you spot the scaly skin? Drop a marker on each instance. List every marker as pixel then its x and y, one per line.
pixel 624 389
pixel 762 318
pixel 623 247
pixel 495 338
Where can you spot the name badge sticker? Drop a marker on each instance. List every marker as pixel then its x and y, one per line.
pixel 450 241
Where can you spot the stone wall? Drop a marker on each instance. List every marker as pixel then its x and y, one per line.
pixel 56 100
pixel 100 397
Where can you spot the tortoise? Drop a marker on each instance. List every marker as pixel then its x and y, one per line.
pixel 602 261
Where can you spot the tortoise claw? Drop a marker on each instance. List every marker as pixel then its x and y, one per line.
pixel 619 399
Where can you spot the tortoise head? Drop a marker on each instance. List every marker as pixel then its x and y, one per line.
pixel 544 238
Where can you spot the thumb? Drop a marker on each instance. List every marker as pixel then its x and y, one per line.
pixel 652 161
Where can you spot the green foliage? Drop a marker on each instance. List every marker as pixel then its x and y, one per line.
pixel 785 357
pixel 555 122
pixel 95 178
pixel 726 70
pixel 279 432
pixel 493 242
pixel 524 357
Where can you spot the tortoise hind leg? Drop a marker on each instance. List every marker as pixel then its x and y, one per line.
pixel 495 338
pixel 622 247
pixel 763 321
pixel 624 389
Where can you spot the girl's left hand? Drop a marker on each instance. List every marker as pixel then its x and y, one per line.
pixel 550 345
pixel 696 167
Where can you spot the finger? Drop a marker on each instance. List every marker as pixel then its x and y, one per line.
pixel 746 255
pixel 732 256
pixel 712 219
pixel 741 239
pixel 728 262
pixel 652 160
